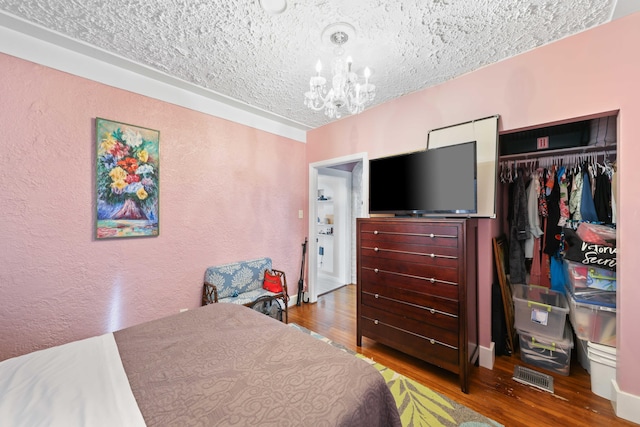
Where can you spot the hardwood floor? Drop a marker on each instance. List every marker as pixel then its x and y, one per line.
pixel 493 393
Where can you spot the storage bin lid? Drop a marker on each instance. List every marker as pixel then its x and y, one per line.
pixel 591 304
pixel 596 297
pixel 549 342
pixel 602 350
pixel 541 296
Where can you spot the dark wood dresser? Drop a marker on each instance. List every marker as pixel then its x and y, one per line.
pixel 417 289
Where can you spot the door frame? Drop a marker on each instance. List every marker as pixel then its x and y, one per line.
pixel 312 291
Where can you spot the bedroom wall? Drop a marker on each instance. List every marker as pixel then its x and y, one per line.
pixel 226 194
pixel 592 72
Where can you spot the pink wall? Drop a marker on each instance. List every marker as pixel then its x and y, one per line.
pixel 593 72
pixel 226 194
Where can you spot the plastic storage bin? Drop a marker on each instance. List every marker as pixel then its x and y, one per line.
pixel 593 322
pixel 603 361
pixel 547 353
pixel 576 274
pixel 583 354
pixel 582 276
pixel 540 311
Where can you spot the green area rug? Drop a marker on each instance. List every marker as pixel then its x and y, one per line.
pixel 418 405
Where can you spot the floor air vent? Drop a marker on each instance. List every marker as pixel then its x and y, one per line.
pixel 534 378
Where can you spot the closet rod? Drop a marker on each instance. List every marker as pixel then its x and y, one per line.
pixel 561 151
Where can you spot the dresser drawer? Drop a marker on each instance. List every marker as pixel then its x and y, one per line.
pixel 409 283
pixel 434 352
pixel 411 297
pixel 414 269
pixel 406 228
pixel 437 257
pixel 408 239
pixel 423 329
pixel 437 312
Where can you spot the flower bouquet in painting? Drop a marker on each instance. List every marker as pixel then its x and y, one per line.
pixel 127 180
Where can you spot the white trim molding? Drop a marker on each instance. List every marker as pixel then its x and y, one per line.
pixel 487 356
pixel 312 291
pixel 37 44
pixel 625 405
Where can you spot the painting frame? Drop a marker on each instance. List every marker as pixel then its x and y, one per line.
pixel 127 180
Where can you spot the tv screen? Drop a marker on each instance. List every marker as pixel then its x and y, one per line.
pixel 440 181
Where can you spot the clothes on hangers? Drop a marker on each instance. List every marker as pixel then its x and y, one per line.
pixel 575 198
pixel 562 192
pixel 563 182
pixel 587 207
pixel 553 231
pixel 535 231
pixel 518 233
pixel 602 198
pixel 535 275
pixel 542 196
pixel 545 270
pixel 614 189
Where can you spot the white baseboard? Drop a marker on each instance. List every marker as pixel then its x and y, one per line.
pixel 625 405
pixel 487 356
pixel 293 299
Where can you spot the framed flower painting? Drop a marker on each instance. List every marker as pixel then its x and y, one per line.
pixel 127 180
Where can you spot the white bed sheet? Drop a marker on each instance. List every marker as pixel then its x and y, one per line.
pixel 82 383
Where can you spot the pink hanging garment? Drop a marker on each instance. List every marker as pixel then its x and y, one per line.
pixel 534 276
pixel 545 269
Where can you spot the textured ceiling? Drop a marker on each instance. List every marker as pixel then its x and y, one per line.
pixel 236 49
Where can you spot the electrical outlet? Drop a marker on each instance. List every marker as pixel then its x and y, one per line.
pixel 300 214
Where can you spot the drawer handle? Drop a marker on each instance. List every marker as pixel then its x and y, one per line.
pixel 375 322
pixel 375 270
pixel 375 232
pixel 432 341
pixel 432 255
pixel 376 249
pixel 432 235
pixel 432 311
pixel 432 280
pixel 376 296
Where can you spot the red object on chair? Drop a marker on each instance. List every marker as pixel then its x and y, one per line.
pixel 272 282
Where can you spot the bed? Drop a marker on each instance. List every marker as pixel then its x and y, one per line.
pixel 221 364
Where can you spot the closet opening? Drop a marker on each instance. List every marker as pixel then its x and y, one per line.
pixel 554 181
pixel 571 143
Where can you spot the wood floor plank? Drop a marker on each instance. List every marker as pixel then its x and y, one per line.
pixel 493 393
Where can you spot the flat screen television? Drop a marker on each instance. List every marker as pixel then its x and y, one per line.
pixel 440 182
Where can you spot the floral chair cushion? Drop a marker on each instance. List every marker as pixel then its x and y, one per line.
pixel 235 280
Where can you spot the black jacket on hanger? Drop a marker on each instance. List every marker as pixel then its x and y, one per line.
pixel 602 198
pixel 519 231
pixel 553 230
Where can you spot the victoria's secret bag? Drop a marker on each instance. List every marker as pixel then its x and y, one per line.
pixel 592 254
pixel 272 282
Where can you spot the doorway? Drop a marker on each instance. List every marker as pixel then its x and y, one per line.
pixel 337 196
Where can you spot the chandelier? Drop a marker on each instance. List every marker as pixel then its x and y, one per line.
pixel 347 92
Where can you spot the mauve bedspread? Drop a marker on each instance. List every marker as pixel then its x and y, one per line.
pixel 228 365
